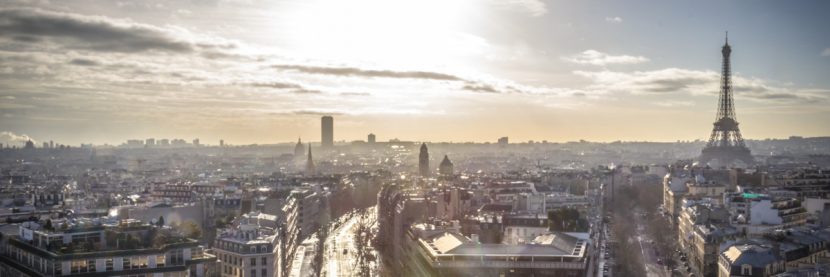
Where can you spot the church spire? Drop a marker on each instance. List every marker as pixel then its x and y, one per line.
pixel 309 165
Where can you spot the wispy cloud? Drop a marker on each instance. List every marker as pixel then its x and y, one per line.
pixel 614 19
pixel 594 57
pixel 674 103
pixel 277 85
pixel 93 33
pixel 359 72
pixel 480 88
pixel 695 82
pixel 532 7
pixel 84 62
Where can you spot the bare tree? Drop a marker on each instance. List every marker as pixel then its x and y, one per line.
pixel 363 235
pixel 319 249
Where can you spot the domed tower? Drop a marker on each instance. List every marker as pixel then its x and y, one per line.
pixel 298 148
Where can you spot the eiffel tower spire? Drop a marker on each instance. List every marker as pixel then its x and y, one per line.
pixel 726 143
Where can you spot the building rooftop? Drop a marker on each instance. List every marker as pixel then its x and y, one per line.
pixel 450 242
pixel 751 254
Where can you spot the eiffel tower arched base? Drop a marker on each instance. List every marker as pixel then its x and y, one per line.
pixel 726 155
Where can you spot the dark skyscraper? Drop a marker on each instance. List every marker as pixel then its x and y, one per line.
pixel 423 161
pixel 726 144
pixel 327 139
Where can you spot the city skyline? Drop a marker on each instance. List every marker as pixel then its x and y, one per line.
pixel 430 138
pixel 104 72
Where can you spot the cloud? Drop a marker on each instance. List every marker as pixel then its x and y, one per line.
pixel 353 71
pixel 594 57
pixel 277 85
pixel 694 82
pixel 290 87
pixel 614 20
pixel 674 103
pixel 94 33
pixel 668 80
pixel 316 112
pixel 10 138
pixel 533 7
pixel 826 52
pixel 84 62
pixel 355 94
pixel 480 88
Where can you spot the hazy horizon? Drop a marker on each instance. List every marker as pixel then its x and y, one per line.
pixel 262 72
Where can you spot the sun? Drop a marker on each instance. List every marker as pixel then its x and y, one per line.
pixel 391 33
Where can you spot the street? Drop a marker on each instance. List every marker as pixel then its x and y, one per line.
pixel 340 250
pixel 650 259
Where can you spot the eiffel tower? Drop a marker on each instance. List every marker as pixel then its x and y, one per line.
pixel 726 144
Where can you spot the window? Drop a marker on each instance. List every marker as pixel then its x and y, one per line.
pixel 264 260
pixel 253 272
pixel 746 269
pixel 264 272
pixel 253 261
pixel 109 264
pixel 159 260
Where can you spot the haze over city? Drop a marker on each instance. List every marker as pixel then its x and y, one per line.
pixel 263 72
pixel 414 138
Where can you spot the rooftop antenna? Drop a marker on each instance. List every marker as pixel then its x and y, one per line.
pixel 727 37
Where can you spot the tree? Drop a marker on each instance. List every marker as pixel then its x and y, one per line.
pixel 319 247
pixel 191 230
pixel 362 237
pixel 160 239
pixel 566 220
pixel 48 226
pixel 160 222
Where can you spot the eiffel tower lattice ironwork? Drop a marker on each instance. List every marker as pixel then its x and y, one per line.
pixel 726 144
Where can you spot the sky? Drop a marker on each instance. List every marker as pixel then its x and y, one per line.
pixel 265 71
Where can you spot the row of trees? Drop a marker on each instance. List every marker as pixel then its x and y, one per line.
pixel 627 253
pixel 363 235
pixel 567 220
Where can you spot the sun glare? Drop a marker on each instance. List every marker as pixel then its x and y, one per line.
pixel 383 32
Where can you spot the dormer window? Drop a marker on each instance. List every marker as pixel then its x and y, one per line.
pixel 746 269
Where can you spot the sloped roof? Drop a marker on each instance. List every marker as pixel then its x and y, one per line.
pixel 751 254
